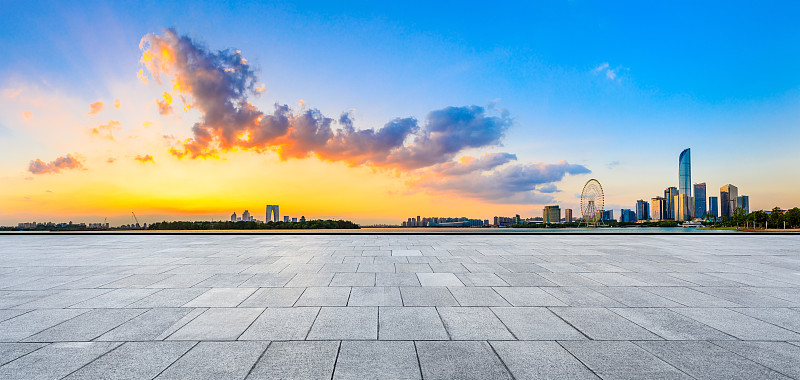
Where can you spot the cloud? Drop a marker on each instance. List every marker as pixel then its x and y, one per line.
pixel 111 160
pixel 519 181
pixel 95 107
pixel 219 85
pixel 613 164
pixel 604 68
pixel 116 104
pixel 106 130
pixel 69 161
pixel 145 158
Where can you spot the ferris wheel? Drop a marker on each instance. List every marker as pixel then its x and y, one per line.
pixel 592 202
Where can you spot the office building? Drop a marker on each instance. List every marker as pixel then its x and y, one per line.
pixel 683 207
pixel 700 200
pixel 234 217
pixel 503 221
pixel 302 219
pixel 627 216
pixel 743 202
pixel 607 215
pixel 658 207
pixel 669 196
pixel 568 215
pixel 642 210
pixel 286 219
pixel 246 216
pixel 273 213
pixel 294 220
pixel 713 210
pixel 551 214
pixel 727 201
pixel 685 173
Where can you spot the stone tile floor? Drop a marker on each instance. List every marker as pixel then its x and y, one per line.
pixel 399 306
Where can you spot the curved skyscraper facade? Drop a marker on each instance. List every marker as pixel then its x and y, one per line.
pixel 685 173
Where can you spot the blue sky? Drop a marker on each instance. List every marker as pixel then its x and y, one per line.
pixel 619 87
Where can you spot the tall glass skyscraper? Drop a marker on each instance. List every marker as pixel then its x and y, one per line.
pixel 669 209
pixel 712 206
pixel 700 200
pixel 685 173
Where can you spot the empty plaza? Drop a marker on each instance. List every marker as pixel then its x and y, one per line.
pixel 360 306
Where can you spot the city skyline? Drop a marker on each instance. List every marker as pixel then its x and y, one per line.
pixel 94 125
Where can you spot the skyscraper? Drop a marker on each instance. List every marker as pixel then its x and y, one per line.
pixel 552 214
pixel 642 210
pixel 685 172
pixel 658 207
pixel 743 202
pixel 273 211
pixel 669 207
pixel 727 200
pixel 233 217
pixel 700 200
pixel 683 207
pixel 246 216
pixel 713 210
pixel 567 215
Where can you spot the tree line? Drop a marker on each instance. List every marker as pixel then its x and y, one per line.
pixel 762 219
pixel 318 224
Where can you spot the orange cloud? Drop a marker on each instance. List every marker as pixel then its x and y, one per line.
pixel 145 158
pixel 165 105
pixel 106 130
pixel 116 104
pixel 69 161
pixel 95 107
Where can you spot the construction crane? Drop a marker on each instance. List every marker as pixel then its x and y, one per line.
pixel 136 219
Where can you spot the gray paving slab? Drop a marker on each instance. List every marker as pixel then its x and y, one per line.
pixel 268 280
pixel 353 279
pixel 169 298
pixel 377 360
pixel 541 360
pixel 221 297
pixel 473 323
pixel 375 296
pixel 22 326
pixel 87 326
pixel 622 360
pixel 55 360
pixel 324 296
pixel 704 360
pixel 273 297
pixel 345 323
pixel 738 325
pixel 297 360
pixel 11 351
pixel 282 324
pixel 410 323
pixel 536 323
pixel 216 360
pixel 427 296
pixel 603 324
pixel 396 279
pixel 528 296
pixel 778 356
pixel 218 324
pixel 133 360
pixel 146 326
pixel 439 279
pixel 460 360
pixel 477 296
pixel 670 325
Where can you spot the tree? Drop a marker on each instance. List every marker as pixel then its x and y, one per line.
pixel 792 217
pixel 776 218
pixel 760 217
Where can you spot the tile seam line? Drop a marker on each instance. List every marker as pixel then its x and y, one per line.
pixel 255 363
pixel 176 360
pixel 95 359
pixel 558 342
pixel 748 359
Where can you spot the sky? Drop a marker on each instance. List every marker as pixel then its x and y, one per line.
pixel 377 111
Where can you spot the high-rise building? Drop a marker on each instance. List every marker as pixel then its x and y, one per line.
pixel 551 214
pixel 627 216
pixel 743 202
pixel 642 210
pixel 302 218
pixel 607 215
pixel 669 209
pixel 568 215
pixel 727 200
pixel 286 219
pixel 233 217
pixel 685 172
pixel 700 200
pixel 273 213
pixel 658 208
pixel 246 216
pixel 713 210
pixel 683 207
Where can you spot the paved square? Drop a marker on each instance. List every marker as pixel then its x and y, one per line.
pixel 399 306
